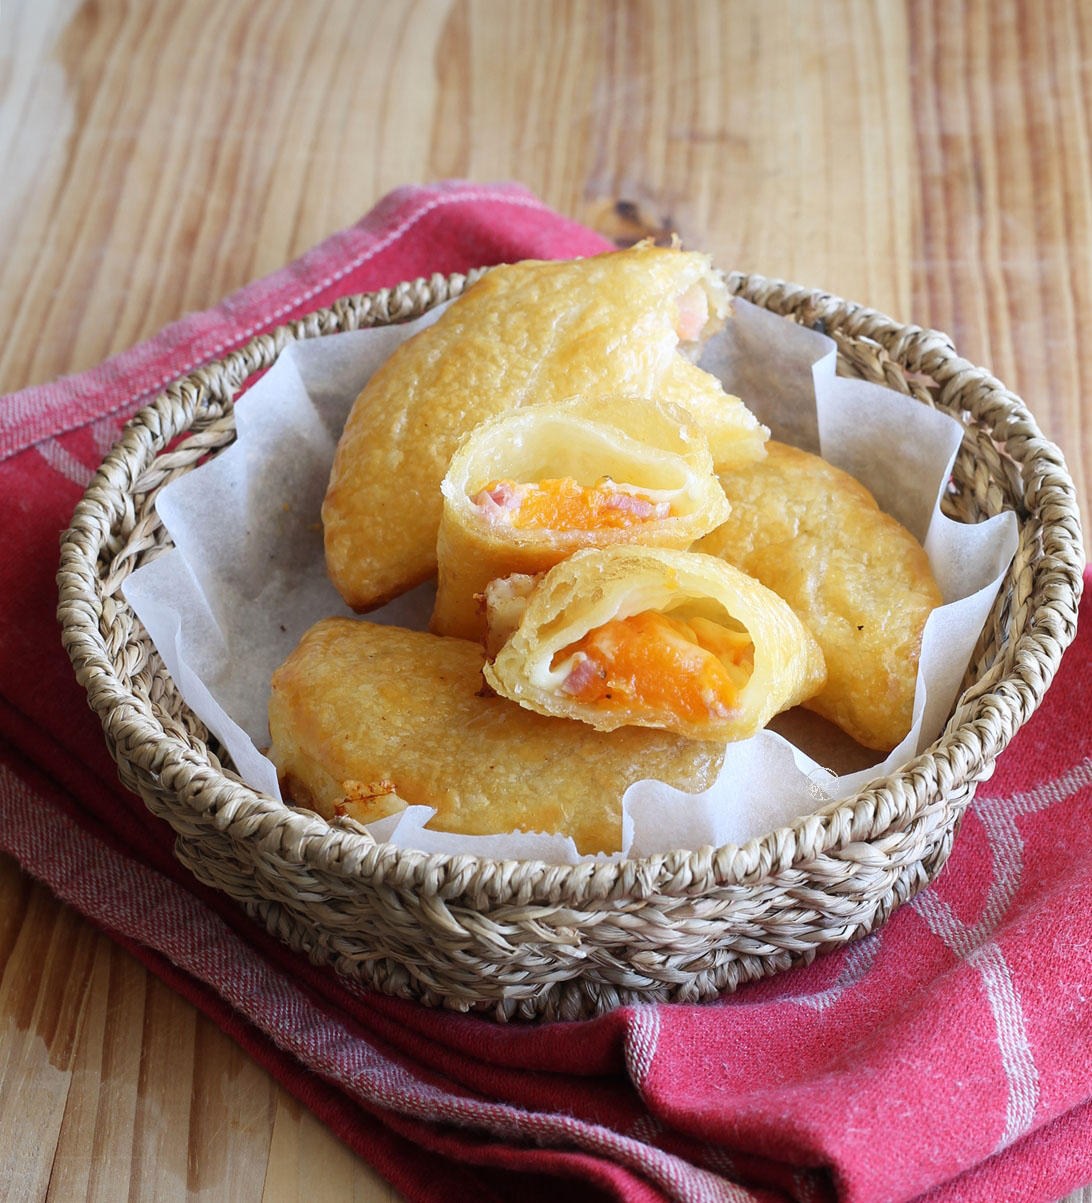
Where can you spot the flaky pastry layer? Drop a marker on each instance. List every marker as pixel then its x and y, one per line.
pixel 858 579
pixel 366 719
pixel 592 589
pixel 651 453
pixel 614 324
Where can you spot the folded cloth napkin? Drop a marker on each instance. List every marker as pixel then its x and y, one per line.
pixel 946 1057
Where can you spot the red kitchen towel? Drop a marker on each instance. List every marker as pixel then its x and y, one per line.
pixel 947 1057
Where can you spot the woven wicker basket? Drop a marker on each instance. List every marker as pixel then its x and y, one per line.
pixel 524 938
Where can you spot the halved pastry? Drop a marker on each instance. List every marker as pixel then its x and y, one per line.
pixel 622 323
pixel 857 578
pixel 654 638
pixel 366 719
pixel 528 488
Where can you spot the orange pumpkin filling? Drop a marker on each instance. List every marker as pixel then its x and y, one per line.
pixel 692 669
pixel 564 504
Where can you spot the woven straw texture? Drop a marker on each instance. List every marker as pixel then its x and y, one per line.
pixel 526 939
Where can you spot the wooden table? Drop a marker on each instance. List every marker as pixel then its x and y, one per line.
pixel 930 159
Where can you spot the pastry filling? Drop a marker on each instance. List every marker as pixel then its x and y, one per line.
pixel 693 313
pixel 565 504
pixel 692 669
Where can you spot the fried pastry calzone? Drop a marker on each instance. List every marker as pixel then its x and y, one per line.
pixel 857 578
pixel 366 719
pixel 528 488
pixel 621 323
pixel 655 638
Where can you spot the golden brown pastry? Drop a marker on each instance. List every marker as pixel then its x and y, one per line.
pixel 530 487
pixel 860 582
pixel 366 719
pixel 621 323
pixel 657 638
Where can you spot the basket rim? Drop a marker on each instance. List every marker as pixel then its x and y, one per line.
pixel 841 825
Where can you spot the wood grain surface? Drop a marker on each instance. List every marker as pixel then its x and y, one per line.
pixel 930 159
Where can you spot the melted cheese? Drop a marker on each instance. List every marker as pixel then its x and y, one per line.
pixel 692 669
pixel 564 504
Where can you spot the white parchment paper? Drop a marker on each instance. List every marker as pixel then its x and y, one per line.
pixel 247 575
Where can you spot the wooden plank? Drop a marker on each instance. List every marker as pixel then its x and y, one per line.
pixel 161 1138
pixel 42 990
pixel 93 1159
pixel 306 1161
